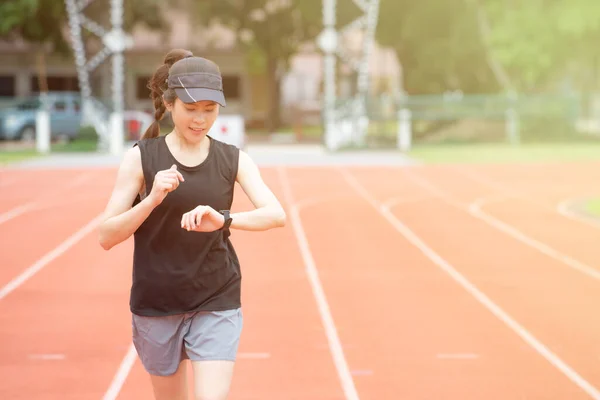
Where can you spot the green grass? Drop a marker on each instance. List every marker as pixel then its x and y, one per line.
pixel 593 207
pixel 77 146
pixel 505 153
pixel 12 156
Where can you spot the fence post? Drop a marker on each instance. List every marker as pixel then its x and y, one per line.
pixel 512 120
pixel 116 134
pixel 42 127
pixel 404 138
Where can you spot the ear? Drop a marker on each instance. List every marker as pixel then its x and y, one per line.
pixel 168 106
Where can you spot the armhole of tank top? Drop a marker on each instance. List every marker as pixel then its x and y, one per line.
pixel 143 146
pixel 235 164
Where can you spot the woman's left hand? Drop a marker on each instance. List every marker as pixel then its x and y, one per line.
pixel 202 219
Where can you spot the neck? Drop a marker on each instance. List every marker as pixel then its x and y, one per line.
pixel 181 143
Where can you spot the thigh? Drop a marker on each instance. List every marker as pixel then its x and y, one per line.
pixel 159 342
pixel 172 387
pixel 214 335
pixel 212 379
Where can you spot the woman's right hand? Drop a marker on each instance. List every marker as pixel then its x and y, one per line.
pixel 165 181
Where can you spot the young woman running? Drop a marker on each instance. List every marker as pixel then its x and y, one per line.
pixel 173 193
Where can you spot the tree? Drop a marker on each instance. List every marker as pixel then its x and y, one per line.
pixel 271 32
pixel 436 43
pixel 42 23
pixel 539 43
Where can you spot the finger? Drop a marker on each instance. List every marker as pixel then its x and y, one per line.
pixel 191 219
pixel 172 182
pixel 175 174
pixel 165 186
pixel 197 216
pixel 186 221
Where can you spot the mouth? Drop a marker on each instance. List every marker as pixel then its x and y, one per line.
pixel 197 130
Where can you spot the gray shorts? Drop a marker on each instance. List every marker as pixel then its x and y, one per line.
pixel 163 342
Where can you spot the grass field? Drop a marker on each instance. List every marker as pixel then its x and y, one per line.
pixel 429 154
pixel 504 153
pixel 12 156
pixel 16 155
pixel 593 207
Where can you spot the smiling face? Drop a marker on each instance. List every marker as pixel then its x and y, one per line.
pixel 193 121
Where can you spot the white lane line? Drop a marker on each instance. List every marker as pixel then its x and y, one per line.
pixel 335 345
pixel 485 301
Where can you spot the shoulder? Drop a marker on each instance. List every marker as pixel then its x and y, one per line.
pixel 228 158
pixel 147 143
pixel 132 159
pixel 223 146
pixel 246 166
pixel 226 151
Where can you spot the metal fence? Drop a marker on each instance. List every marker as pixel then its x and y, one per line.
pixel 485 118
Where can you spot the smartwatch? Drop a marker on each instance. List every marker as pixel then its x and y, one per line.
pixel 228 219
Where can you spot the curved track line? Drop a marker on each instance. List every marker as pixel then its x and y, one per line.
pixel 474 209
pixel 502 315
pixel 506 190
pixel 563 209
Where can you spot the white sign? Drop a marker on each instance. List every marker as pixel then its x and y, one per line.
pixel 229 129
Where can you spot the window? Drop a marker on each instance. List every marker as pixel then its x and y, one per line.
pixel 29 104
pixel 59 105
pixel 7 86
pixel 57 84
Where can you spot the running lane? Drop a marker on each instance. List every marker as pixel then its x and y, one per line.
pixel 408 330
pixel 283 352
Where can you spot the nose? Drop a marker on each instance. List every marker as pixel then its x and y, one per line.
pixel 199 118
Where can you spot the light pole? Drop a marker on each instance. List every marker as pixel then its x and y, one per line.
pixel 115 41
pixel 329 42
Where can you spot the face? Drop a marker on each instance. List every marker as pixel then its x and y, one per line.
pixel 193 121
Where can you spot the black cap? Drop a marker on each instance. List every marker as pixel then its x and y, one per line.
pixel 196 79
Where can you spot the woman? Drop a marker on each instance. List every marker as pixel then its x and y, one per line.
pixel 174 193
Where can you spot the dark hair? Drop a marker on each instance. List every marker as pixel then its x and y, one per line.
pixel 159 89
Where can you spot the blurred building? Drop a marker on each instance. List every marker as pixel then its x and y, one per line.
pixel 245 91
pixel 20 66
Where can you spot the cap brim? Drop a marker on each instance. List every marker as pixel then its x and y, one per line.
pixel 193 95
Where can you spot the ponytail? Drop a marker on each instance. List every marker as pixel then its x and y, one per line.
pixel 159 90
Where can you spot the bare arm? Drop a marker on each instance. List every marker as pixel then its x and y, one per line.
pixel 268 213
pixel 120 219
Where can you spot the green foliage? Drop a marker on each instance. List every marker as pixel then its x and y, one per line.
pixel 539 42
pixel 36 21
pixel 44 21
pixel 437 44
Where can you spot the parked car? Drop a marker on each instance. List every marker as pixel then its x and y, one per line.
pixel 18 120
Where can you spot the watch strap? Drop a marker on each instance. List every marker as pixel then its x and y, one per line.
pixel 227 215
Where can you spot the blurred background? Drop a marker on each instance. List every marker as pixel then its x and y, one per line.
pixel 321 82
pixel 426 73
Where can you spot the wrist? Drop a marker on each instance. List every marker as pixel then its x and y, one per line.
pixel 150 201
pixel 226 216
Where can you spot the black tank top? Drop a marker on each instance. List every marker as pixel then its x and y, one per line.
pixel 176 271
